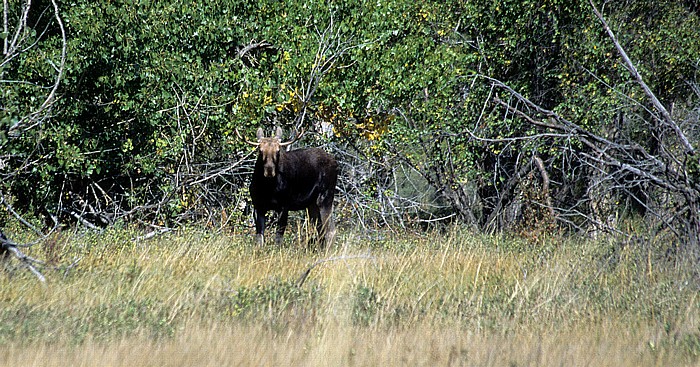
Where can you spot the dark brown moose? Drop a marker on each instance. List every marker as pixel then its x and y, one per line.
pixel 293 180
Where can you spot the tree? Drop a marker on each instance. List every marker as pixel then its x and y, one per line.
pixel 650 160
pixel 32 69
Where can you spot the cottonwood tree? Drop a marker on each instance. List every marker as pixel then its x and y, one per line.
pixel 30 72
pixel 24 31
pixel 32 68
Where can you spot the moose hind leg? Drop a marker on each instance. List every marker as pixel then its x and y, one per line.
pixel 326 227
pixel 281 226
pixel 315 219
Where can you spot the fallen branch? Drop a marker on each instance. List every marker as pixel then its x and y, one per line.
pixel 9 208
pixel 156 232
pixel 7 247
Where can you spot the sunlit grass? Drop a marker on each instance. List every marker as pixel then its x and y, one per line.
pixel 197 298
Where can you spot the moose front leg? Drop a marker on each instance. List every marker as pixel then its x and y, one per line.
pixel 260 226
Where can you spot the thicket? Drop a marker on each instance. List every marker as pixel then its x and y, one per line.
pixel 518 115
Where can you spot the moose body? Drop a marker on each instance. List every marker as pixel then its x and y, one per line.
pixel 295 180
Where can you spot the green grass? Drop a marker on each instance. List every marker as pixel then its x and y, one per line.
pixel 453 298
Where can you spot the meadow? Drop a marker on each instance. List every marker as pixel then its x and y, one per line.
pixel 450 298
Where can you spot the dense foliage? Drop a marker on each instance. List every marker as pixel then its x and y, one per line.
pixel 417 99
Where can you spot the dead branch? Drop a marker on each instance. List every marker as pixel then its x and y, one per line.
pixel 545 184
pixel 243 53
pixel 7 247
pixel 667 119
pixel 332 46
pixel 624 165
pixel 156 232
pixel 10 209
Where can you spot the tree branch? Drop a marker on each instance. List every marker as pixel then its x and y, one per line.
pixel 7 246
pixel 35 117
pixel 638 77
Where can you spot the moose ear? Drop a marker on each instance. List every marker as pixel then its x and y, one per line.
pixel 260 134
pixel 278 133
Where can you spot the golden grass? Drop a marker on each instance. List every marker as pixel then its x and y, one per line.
pixel 453 298
pixel 334 345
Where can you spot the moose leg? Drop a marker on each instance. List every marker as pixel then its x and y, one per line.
pixel 326 227
pixel 314 218
pixel 281 226
pixel 259 226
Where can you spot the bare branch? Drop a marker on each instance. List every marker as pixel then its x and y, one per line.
pixel 5 26
pixel 658 182
pixel 638 77
pixel 34 118
pixel 7 246
pixel 331 47
pixel 153 233
pixel 253 45
pixel 545 184
pixel 9 208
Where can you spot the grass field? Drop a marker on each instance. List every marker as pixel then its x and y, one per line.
pixel 455 298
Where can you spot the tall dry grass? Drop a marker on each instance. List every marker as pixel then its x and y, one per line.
pixel 454 298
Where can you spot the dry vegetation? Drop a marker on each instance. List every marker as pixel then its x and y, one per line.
pixel 454 298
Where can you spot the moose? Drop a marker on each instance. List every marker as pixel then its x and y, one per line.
pixel 292 180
